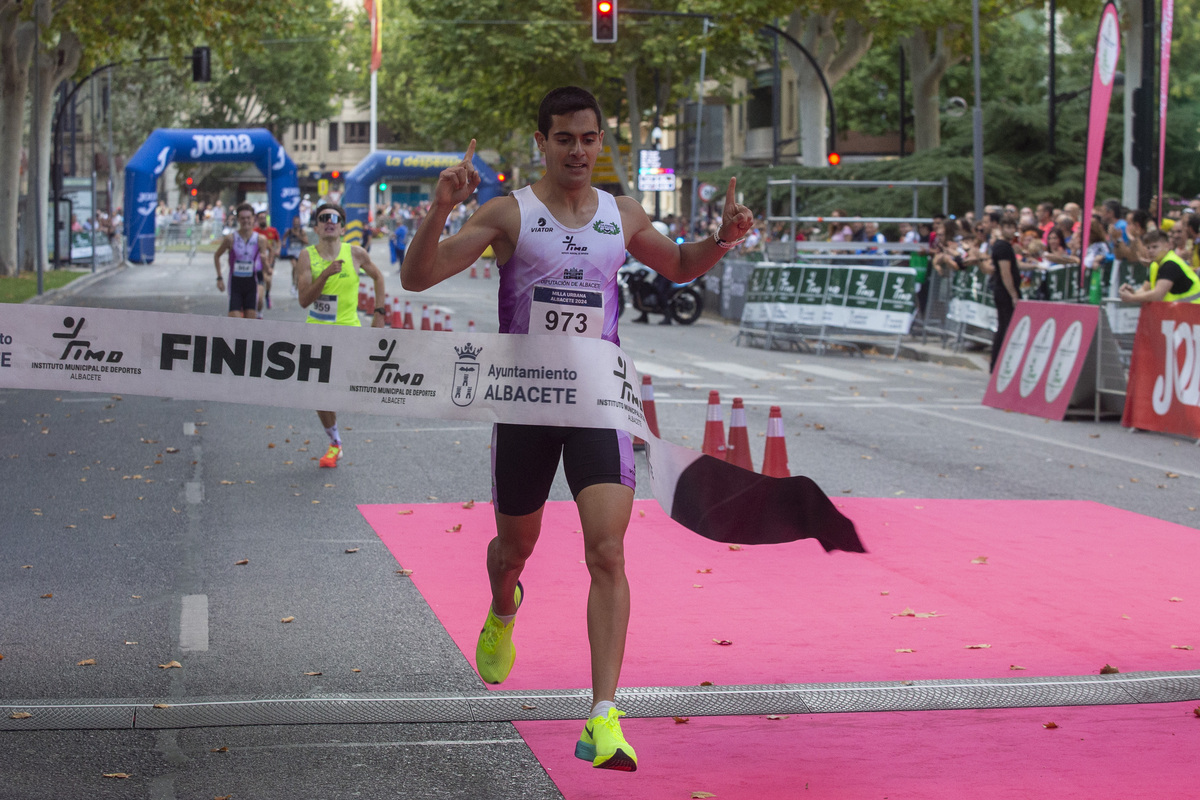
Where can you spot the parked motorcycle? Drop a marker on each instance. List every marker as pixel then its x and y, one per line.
pixel 641 287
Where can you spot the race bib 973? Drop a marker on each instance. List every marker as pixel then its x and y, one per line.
pixel 574 312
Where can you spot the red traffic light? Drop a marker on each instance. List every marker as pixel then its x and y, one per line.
pixel 604 21
pixel 188 180
pixel 194 192
pixel 834 159
pixel 501 177
pixel 335 174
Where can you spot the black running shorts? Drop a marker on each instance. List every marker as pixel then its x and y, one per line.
pixel 525 460
pixel 243 293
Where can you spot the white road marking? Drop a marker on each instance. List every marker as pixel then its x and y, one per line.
pixel 661 370
pixel 833 373
pixel 194 492
pixel 193 623
pixel 422 743
pixel 709 386
pixel 189 429
pixel 741 371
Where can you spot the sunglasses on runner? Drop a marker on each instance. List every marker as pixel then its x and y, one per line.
pixel 330 216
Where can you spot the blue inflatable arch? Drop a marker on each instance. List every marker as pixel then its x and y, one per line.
pixel 173 144
pixel 402 164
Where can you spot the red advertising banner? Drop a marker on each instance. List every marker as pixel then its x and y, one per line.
pixel 1164 375
pixel 1104 68
pixel 1044 352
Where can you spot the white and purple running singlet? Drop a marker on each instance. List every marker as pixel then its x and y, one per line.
pixel 563 280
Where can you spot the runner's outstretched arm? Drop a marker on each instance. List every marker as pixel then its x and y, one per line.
pixel 683 262
pixel 428 261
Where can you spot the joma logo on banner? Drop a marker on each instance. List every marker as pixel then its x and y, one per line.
pixel 1178 381
pixel 207 144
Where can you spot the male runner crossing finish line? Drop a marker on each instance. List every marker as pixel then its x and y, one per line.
pixel 559 244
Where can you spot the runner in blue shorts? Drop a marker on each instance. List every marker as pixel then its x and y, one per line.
pixel 561 233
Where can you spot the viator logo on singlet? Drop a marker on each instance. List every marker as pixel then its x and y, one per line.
pixel 541 227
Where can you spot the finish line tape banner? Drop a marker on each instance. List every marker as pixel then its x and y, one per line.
pixel 525 380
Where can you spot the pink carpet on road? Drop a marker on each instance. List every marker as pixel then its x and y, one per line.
pixel 1054 587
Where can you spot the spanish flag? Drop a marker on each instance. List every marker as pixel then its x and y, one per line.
pixel 375 13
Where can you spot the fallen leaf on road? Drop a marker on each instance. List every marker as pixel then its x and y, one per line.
pixel 1181 647
pixel 702 795
pixel 404 572
pixel 980 560
pixel 1176 600
pixel 87 662
pixel 172 450
pixel 706 683
pixel 430 497
pixel 227 483
pixel 352 550
pixel 469 504
pixel 171 665
pixel 219 750
pixel 778 716
pixel 162 705
pixel 405 513
pixel 641 512
pixel 287 619
pixel 1049 725
pixel 527 707
pixel 1014 666
pixel 681 720
pixel 455 528
pixel 697 586
pixel 312 674
pixel 1172 474
pixel 723 642
pixel 110 516
pixel 241 563
pixel 20 715
pixel 356 669
pixel 735 547
pixel 905 650
pixel 704 571
pixel 1109 669
pixel 977 647
pixel 117 775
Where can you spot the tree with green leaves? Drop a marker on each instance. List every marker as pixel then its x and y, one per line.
pixel 458 70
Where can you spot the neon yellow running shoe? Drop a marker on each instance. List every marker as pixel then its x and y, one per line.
pixel 604 745
pixel 495 654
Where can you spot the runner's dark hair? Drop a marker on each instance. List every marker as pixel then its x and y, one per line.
pixel 566 100
pixel 243 207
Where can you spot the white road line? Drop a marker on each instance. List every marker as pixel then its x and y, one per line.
pixel 189 429
pixel 661 370
pixel 193 623
pixel 1054 442
pixel 741 371
pixel 422 743
pixel 832 372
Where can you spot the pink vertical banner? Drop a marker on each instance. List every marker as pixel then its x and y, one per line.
pixel 1108 50
pixel 1164 79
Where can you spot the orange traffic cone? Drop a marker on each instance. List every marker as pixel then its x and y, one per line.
pixel 470 326
pixel 738 452
pixel 437 319
pixel 775 462
pixel 474 274
pixel 425 326
pixel 395 316
pixel 487 271
pixel 714 428
pixel 446 326
pixel 362 296
pixel 408 323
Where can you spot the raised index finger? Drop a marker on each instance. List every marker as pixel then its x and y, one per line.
pixel 730 193
pixel 470 152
